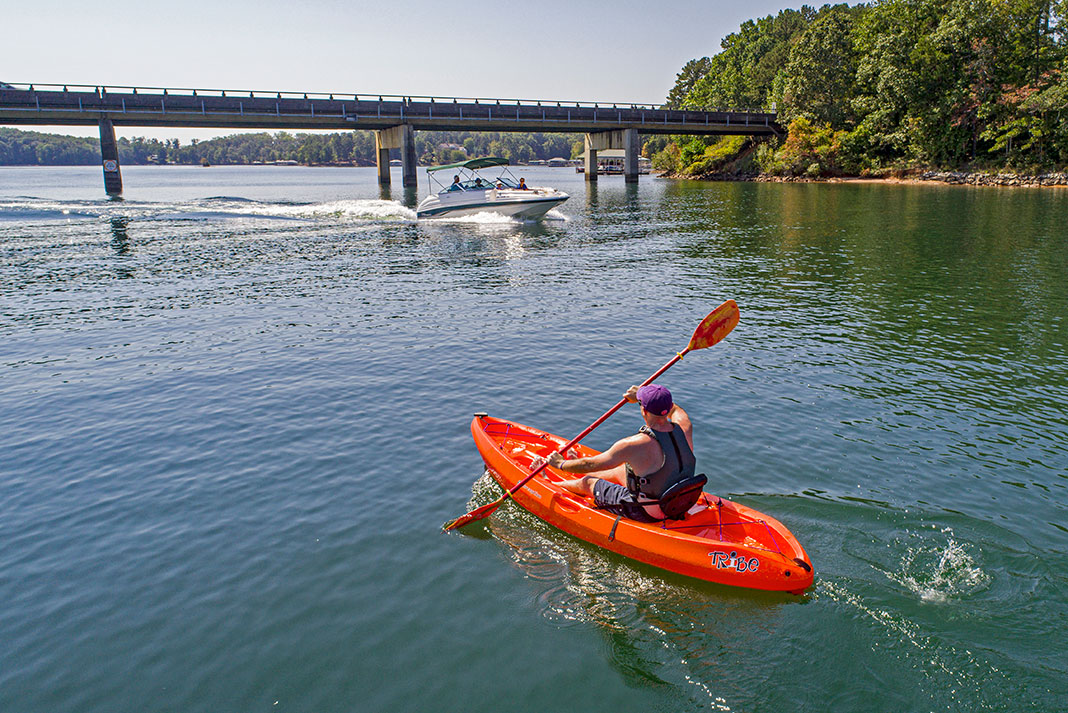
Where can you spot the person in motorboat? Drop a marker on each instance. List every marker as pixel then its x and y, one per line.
pixel 478 183
pixel 638 473
pixel 522 184
pixel 456 184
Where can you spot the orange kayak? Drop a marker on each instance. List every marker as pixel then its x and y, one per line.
pixel 717 540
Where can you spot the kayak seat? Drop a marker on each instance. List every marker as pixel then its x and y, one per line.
pixel 682 496
pixel 675 501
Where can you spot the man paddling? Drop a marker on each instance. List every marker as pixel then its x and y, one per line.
pixel 639 468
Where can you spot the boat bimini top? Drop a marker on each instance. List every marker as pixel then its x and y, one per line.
pixel 468 174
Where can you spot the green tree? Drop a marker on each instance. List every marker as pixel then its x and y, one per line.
pixel 911 82
pixel 691 73
pixel 744 72
pixel 821 72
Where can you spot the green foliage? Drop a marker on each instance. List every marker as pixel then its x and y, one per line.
pixel 745 71
pixel 897 83
pixel 821 72
pixel 714 158
pixel 354 147
pixel 692 150
pixel 685 80
pixel 32 148
pixel 667 159
pixel 517 147
pixel 810 149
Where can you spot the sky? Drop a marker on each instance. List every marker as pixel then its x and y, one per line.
pixel 560 50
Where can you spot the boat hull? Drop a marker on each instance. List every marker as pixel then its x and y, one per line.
pixel 522 205
pixel 717 541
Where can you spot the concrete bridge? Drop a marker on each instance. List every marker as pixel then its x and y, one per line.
pixel 393 118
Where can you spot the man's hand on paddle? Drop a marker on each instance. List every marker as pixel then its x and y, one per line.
pixel 555 459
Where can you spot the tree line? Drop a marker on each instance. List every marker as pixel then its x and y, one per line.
pixel 889 85
pixel 877 87
pixel 31 148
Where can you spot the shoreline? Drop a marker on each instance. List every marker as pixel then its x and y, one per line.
pixel 957 178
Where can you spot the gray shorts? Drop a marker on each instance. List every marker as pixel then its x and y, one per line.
pixel 616 499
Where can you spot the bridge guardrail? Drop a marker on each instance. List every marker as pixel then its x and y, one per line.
pixel 405 99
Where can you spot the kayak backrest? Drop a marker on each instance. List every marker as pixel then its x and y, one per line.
pixel 682 496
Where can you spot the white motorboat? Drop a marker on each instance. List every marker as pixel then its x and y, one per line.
pixel 470 193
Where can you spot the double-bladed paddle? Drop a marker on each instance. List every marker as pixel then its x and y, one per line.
pixel 712 329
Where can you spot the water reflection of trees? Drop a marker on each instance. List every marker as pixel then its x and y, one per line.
pixel 964 268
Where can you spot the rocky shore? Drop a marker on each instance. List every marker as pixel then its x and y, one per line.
pixel 994 179
pixel 952 177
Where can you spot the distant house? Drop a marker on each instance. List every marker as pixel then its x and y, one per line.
pixel 453 147
pixel 557 162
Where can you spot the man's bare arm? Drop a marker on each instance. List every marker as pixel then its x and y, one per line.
pixel 618 454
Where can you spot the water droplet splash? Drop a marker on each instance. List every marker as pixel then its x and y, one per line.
pixel 939 572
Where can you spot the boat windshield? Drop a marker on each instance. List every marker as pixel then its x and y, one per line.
pixel 467 177
pixel 481 184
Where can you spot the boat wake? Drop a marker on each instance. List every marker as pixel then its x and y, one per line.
pixel 489 218
pixel 484 218
pixel 25 209
pixel 345 210
pixel 216 208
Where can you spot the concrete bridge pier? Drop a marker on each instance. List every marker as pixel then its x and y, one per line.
pixel 626 139
pixel 633 149
pixel 382 160
pixel 109 155
pixel 408 163
pixel 397 137
pixel 589 161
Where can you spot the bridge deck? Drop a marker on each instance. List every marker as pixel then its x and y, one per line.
pixel 132 106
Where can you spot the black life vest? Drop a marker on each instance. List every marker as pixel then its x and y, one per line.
pixel 679 464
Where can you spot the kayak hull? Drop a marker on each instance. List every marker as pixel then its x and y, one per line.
pixel 717 540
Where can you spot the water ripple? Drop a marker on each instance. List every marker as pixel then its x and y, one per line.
pixel 235 413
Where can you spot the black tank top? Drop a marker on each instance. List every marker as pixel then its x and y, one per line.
pixel 679 463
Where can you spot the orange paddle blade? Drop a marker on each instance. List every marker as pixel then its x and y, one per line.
pixel 715 326
pixel 476 514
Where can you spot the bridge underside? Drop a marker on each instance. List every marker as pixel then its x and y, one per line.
pixel 307 123
pixel 394 119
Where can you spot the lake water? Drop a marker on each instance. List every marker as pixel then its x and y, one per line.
pixel 234 415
